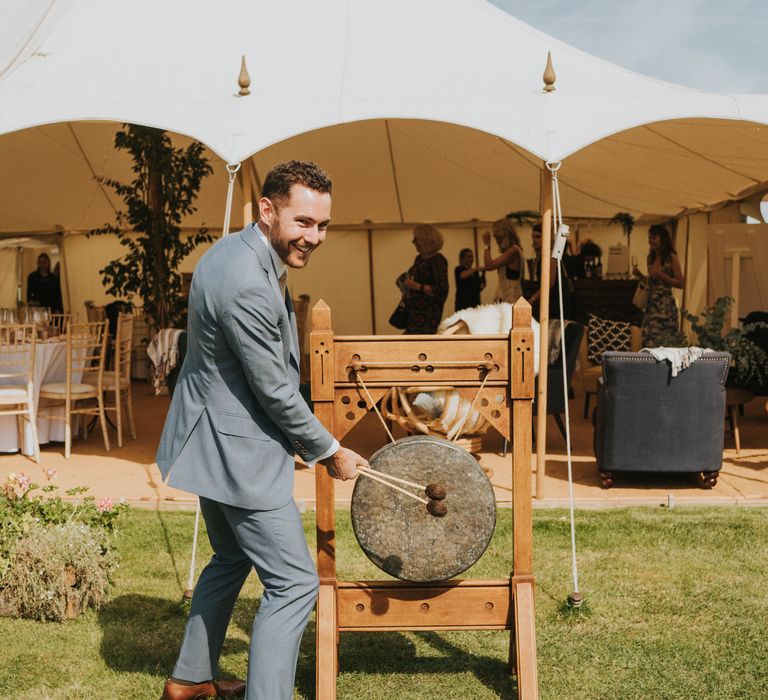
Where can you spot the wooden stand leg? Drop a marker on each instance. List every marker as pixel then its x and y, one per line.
pixel 525 638
pixel 327 642
pixel 512 669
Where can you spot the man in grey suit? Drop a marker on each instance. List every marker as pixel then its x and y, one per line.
pixel 235 423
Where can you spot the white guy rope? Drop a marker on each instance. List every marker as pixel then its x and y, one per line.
pixel 191 578
pixel 232 169
pixel 557 253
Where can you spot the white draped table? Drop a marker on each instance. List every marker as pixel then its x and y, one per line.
pixel 50 366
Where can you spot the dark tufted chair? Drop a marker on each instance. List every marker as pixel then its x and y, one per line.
pixel 574 332
pixel 648 421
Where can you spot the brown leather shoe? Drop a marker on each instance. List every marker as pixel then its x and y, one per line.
pixel 199 691
pixel 230 689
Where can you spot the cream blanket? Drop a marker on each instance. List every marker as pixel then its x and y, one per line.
pixel 163 350
pixel 489 319
pixel 678 358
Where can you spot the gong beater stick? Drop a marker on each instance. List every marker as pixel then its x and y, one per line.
pixel 393 478
pixel 383 479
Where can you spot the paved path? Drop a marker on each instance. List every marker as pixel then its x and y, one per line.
pixel 130 472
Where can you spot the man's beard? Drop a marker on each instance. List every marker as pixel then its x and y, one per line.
pixel 286 251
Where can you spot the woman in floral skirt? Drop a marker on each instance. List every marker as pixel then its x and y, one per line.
pixel 660 319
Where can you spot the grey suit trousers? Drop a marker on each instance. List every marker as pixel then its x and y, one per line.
pixel 271 541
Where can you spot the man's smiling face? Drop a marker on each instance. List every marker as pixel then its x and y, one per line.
pixel 296 226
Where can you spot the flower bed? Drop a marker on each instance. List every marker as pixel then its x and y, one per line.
pixel 56 555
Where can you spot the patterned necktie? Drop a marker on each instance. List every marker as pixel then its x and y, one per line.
pixel 283 282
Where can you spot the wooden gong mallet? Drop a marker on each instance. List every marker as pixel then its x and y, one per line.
pixel 435 492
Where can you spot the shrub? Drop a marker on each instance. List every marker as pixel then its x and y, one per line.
pixel 57 571
pixel 750 361
pixel 56 556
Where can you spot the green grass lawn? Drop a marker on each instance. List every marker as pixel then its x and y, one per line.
pixel 676 607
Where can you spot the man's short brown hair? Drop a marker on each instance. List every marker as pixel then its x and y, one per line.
pixel 280 179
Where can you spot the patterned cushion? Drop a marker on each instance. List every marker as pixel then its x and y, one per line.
pixel 607 335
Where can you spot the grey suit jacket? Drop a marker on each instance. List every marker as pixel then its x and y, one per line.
pixel 237 419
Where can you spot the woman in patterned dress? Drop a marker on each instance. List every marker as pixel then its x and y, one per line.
pixel 660 318
pixel 509 262
pixel 427 282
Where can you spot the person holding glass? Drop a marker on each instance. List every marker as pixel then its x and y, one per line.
pixel 509 262
pixel 660 318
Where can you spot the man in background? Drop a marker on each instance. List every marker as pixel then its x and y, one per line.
pixel 44 287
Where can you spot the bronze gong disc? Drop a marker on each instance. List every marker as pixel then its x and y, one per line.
pixel 399 535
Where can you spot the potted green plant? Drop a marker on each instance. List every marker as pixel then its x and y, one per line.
pixel 749 361
pixel 627 222
pixel 163 191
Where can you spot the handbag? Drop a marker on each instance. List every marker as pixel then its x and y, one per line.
pixel 640 298
pixel 399 317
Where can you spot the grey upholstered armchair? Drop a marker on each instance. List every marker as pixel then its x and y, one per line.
pixel 648 421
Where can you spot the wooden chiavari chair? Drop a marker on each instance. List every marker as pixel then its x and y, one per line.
pixel 94 313
pixel 17 375
pixel 118 381
pixel 60 322
pixel 86 350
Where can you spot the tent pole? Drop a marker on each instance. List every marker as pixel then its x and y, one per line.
pixel 708 291
pixel 255 181
pixel 19 275
pixel 545 207
pixel 370 281
pixel 685 269
pixel 247 189
pixel 64 272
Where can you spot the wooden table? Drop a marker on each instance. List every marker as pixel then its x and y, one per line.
pixel 607 298
pixel 735 399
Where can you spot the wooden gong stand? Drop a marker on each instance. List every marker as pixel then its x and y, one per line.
pixel 506 401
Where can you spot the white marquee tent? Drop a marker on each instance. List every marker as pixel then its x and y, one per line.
pixel 422 110
pixel 431 110
pixel 446 90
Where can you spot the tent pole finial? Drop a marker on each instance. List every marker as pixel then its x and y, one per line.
pixel 244 80
pixel 549 75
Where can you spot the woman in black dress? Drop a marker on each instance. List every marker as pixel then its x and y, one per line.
pixel 470 281
pixel 426 282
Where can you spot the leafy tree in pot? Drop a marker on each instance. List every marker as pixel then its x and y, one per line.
pixel 166 183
